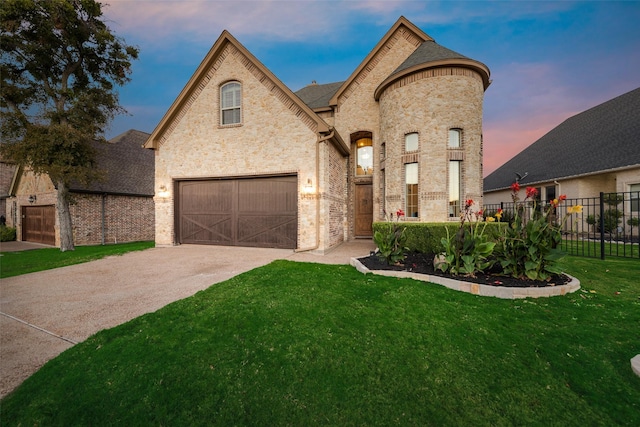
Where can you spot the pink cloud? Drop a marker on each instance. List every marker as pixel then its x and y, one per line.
pixel 203 20
pixel 503 140
pixel 525 102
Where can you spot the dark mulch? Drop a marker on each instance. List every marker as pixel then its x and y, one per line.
pixel 423 263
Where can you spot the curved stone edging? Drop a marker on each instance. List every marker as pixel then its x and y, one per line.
pixel 635 365
pixel 476 288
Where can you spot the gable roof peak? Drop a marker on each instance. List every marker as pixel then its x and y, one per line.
pixel 194 86
pixel 412 31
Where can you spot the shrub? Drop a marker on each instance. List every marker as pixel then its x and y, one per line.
pixel 468 251
pixel 7 234
pixel 529 245
pixel 426 237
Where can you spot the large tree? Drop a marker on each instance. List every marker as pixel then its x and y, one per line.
pixel 59 68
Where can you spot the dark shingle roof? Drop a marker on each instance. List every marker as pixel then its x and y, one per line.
pixel 128 167
pixel 428 51
pixel 602 138
pixel 318 96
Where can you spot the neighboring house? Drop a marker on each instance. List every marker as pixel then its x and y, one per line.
pixel 118 208
pixel 7 170
pixel 243 160
pixel 595 151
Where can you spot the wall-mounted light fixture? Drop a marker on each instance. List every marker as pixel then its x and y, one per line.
pixel 163 192
pixel 308 186
pixel 32 198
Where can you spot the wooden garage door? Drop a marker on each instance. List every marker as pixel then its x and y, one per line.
pixel 260 212
pixel 38 224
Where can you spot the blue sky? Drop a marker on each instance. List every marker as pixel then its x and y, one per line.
pixel 549 60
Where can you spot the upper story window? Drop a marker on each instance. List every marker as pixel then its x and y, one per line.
pixel 411 142
pixel 364 156
pixel 230 100
pixel 635 197
pixel 455 138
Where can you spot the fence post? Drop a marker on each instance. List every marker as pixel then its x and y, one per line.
pixel 601 225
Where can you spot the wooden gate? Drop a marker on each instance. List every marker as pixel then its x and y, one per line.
pixel 38 224
pixel 260 212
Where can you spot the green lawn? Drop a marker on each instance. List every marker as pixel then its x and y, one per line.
pixel 17 263
pixel 308 344
pixel 592 249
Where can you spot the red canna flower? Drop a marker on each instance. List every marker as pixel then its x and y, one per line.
pixel 468 203
pixel 563 197
pixel 500 211
pixel 515 187
pixel 400 213
pixel 531 192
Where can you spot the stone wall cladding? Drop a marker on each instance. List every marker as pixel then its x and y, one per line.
pixel 231 51
pixel 431 103
pixel 272 139
pixel 357 109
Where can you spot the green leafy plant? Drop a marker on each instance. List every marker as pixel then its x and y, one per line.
pixel 7 234
pixel 528 248
pixel 391 239
pixel 612 215
pixel 468 251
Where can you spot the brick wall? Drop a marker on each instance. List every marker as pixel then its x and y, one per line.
pixel 337 196
pixel 273 138
pixel 430 104
pixel 126 219
pixel 358 111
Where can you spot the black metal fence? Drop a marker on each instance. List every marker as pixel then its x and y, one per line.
pixel 607 225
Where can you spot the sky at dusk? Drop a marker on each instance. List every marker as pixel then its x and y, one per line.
pixel 549 60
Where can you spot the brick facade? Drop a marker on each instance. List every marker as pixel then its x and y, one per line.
pixel 431 104
pixel 278 135
pixel 96 218
pixel 272 140
pixel 106 219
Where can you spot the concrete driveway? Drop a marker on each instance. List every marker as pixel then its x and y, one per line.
pixel 42 314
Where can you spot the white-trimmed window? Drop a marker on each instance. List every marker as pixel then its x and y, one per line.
pixel 230 103
pixel 411 185
pixel 455 188
pixel 411 142
pixel 455 138
pixel 635 197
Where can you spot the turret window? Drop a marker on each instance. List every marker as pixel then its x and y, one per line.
pixel 455 188
pixel 411 196
pixel 455 138
pixel 411 142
